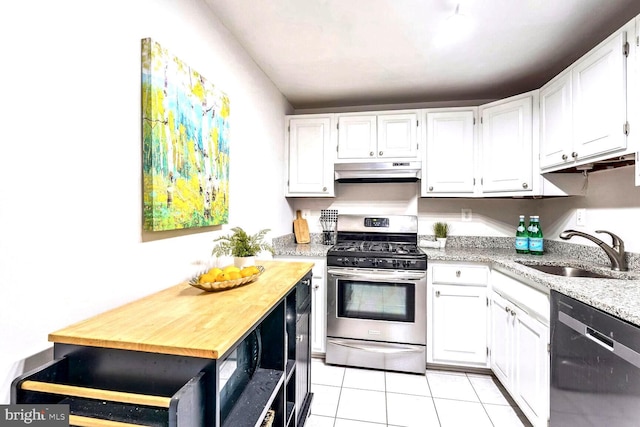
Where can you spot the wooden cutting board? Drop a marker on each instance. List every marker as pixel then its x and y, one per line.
pixel 301 229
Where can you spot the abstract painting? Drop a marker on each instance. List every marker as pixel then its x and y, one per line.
pixel 185 144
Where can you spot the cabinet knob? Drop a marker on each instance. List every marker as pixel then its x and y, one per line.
pixel 525 185
pixel 565 157
pixel 437 293
pixel 431 188
pixel 316 287
pixel 324 188
pixel 371 153
pixel 299 338
pixel 574 155
pixel 458 273
pixel 380 153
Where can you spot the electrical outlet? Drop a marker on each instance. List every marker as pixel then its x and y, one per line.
pixel 466 215
pixel 581 217
pixel 306 213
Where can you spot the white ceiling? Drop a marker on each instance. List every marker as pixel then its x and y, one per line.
pixel 336 53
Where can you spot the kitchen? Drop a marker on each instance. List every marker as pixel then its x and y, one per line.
pixel 90 254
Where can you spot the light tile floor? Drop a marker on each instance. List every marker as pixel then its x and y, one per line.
pixel 354 397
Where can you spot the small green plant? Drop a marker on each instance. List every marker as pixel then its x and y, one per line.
pixel 441 229
pixel 240 244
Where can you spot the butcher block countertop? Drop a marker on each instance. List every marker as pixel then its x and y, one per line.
pixel 183 320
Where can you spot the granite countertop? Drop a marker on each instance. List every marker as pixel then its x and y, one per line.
pixel 619 296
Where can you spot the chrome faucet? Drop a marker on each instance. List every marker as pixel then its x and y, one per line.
pixel 615 252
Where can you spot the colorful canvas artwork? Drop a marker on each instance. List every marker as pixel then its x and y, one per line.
pixel 185 144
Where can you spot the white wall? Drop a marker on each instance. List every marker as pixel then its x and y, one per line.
pixel 611 200
pixel 71 241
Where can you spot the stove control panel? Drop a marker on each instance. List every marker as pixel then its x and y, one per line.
pixel 376 222
pixel 387 263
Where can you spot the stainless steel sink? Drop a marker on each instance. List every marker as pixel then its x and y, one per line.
pixel 559 270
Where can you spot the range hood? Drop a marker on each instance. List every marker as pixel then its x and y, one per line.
pixel 378 171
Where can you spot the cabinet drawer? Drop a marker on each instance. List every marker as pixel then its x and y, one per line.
pixel 62 382
pixel 460 275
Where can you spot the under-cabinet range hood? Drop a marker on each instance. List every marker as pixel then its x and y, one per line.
pixel 378 171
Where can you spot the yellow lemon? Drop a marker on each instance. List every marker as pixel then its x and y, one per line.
pixel 206 278
pixel 233 275
pixel 246 272
pixel 223 277
pixel 214 271
pixel 230 268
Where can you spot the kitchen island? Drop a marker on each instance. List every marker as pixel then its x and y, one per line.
pixel 180 357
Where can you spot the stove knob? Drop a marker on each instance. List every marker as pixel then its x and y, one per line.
pixel 406 263
pixel 395 263
pixel 345 261
pixel 376 262
pixel 355 261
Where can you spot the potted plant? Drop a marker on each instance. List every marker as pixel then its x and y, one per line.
pixel 441 231
pixel 242 246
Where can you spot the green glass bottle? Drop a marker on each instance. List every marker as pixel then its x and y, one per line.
pixel 536 239
pixel 522 237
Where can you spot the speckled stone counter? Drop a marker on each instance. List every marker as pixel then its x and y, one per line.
pixel 619 296
pixel 287 246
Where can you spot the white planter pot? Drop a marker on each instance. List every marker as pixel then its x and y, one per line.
pixel 242 262
pixel 442 241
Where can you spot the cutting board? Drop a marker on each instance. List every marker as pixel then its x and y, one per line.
pixel 301 229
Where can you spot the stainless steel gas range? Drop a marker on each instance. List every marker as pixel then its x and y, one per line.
pixel 376 294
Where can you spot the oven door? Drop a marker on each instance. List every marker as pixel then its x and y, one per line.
pixel 377 305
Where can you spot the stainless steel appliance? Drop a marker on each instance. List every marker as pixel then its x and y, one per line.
pixel 595 367
pixel 376 294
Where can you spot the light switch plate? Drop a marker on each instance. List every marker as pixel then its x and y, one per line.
pixel 306 213
pixel 581 217
pixel 466 215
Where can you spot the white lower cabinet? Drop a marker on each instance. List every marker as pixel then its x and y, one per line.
pixel 519 353
pixel 457 315
pixel 318 300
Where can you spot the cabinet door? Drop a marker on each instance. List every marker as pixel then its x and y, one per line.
pixel 531 370
pixel 319 311
pixel 599 100
pixel 310 164
pixel 556 130
pixel 450 158
pixel 357 137
pixel 501 339
pixel 459 316
pixel 397 135
pixel 507 156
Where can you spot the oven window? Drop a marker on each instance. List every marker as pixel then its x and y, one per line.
pixel 376 300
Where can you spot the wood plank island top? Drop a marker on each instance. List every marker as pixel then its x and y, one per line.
pixel 183 320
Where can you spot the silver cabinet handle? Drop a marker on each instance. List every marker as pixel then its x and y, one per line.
pixel 565 157
pixel 324 188
pixel 458 273
pixel 437 293
pixel 431 188
pixel 380 153
pixel 525 185
pixel 371 153
pixel 574 154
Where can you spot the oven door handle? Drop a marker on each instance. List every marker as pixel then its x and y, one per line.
pixel 385 349
pixel 378 275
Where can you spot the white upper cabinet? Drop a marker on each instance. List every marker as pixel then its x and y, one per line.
pixel 507 145
pixel 599 100
pixel 583 111
pixel 450 153
pixel 310 156
pixel 380 135
pixel 556 122
pixel 398 135
pixel 357 137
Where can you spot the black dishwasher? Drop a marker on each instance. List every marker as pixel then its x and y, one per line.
pixel 595 367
